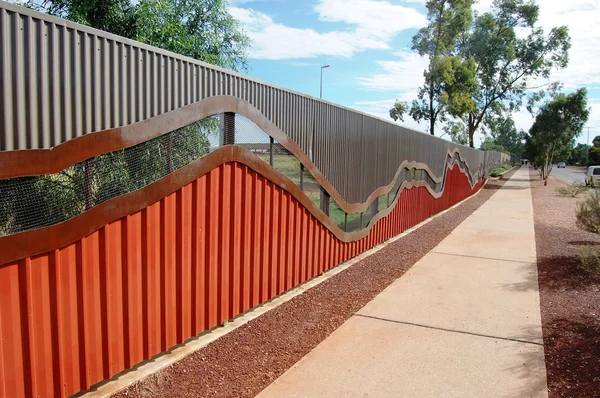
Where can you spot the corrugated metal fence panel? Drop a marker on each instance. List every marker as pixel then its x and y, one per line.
pixel 61 80
pixel 148 281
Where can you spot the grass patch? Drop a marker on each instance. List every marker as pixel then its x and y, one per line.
pixel 497 171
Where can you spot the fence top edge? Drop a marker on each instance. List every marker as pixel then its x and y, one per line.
pixel 109 36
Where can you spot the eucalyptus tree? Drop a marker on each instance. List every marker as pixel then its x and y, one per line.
pixel 448 77
pixel 510 51
pixel 556 126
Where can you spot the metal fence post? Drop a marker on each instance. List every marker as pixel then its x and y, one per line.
pixel 228 128
pixel 374 207
pixel 87 180
pixel 324 201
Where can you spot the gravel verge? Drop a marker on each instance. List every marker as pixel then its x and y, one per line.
pixel 245 361
pixel 569 297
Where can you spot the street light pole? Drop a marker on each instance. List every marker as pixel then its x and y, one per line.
pixel 321 85
pixel 588 140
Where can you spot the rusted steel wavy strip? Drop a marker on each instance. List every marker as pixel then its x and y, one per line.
pixel 30 243
pixel 49 161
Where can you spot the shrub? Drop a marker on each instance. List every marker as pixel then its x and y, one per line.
pixel 572 189
pixel 497 171
pixel 588 212
pixel 589 260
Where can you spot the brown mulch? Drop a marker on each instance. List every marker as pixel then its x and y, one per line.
pixel 245 361
pixel 569 296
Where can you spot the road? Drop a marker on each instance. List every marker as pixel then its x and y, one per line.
pixel 569 174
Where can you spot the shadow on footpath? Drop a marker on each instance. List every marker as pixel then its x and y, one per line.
pixel 529 364
pixel 557 273
pixel 510 187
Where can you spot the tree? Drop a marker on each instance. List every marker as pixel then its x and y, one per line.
pixel 556 126
pixel 506 61
pixel 457 132
pixel 503 133
pixel 114 16
pixel 488 144
pixel 579 154
pixel 398 110
pixel 594 151
pixel 448 78
pixel 200 29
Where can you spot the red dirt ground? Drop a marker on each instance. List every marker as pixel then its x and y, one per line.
pixel 570 297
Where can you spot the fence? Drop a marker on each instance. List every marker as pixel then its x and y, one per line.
pixel 146 197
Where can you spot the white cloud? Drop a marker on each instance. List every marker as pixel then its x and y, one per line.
pixel 583 20
pixel 372 24
pixel 381 108
pixel 581 16
pixel 593 123
pixel 373 18
pixel 404 75
pixel 302 64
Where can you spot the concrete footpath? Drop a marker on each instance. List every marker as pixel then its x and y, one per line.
pixel 464 321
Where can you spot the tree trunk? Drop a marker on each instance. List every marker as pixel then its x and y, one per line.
pixel 432 115
pixel 471 130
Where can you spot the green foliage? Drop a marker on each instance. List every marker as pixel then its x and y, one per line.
pixel 479 65
pixel 505 61
pixel 490 145
pixel 579 154
pixel 40 201
pixel 572 190
pixel 504 136
pixel 588 218
pixel 589 259
pixel 398 110
pixel 498 171
pixel 457 131
pixel 588 212
pixel 114 16
pixel 448 78
pixel 200 29
pixel 556 126
pixel 594 152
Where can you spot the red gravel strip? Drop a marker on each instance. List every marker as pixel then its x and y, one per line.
pixel 570 297
pixel 245 361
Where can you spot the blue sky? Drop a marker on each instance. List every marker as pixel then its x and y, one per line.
pixel 367 44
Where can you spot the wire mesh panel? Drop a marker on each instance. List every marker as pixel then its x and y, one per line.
pixel 34 202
